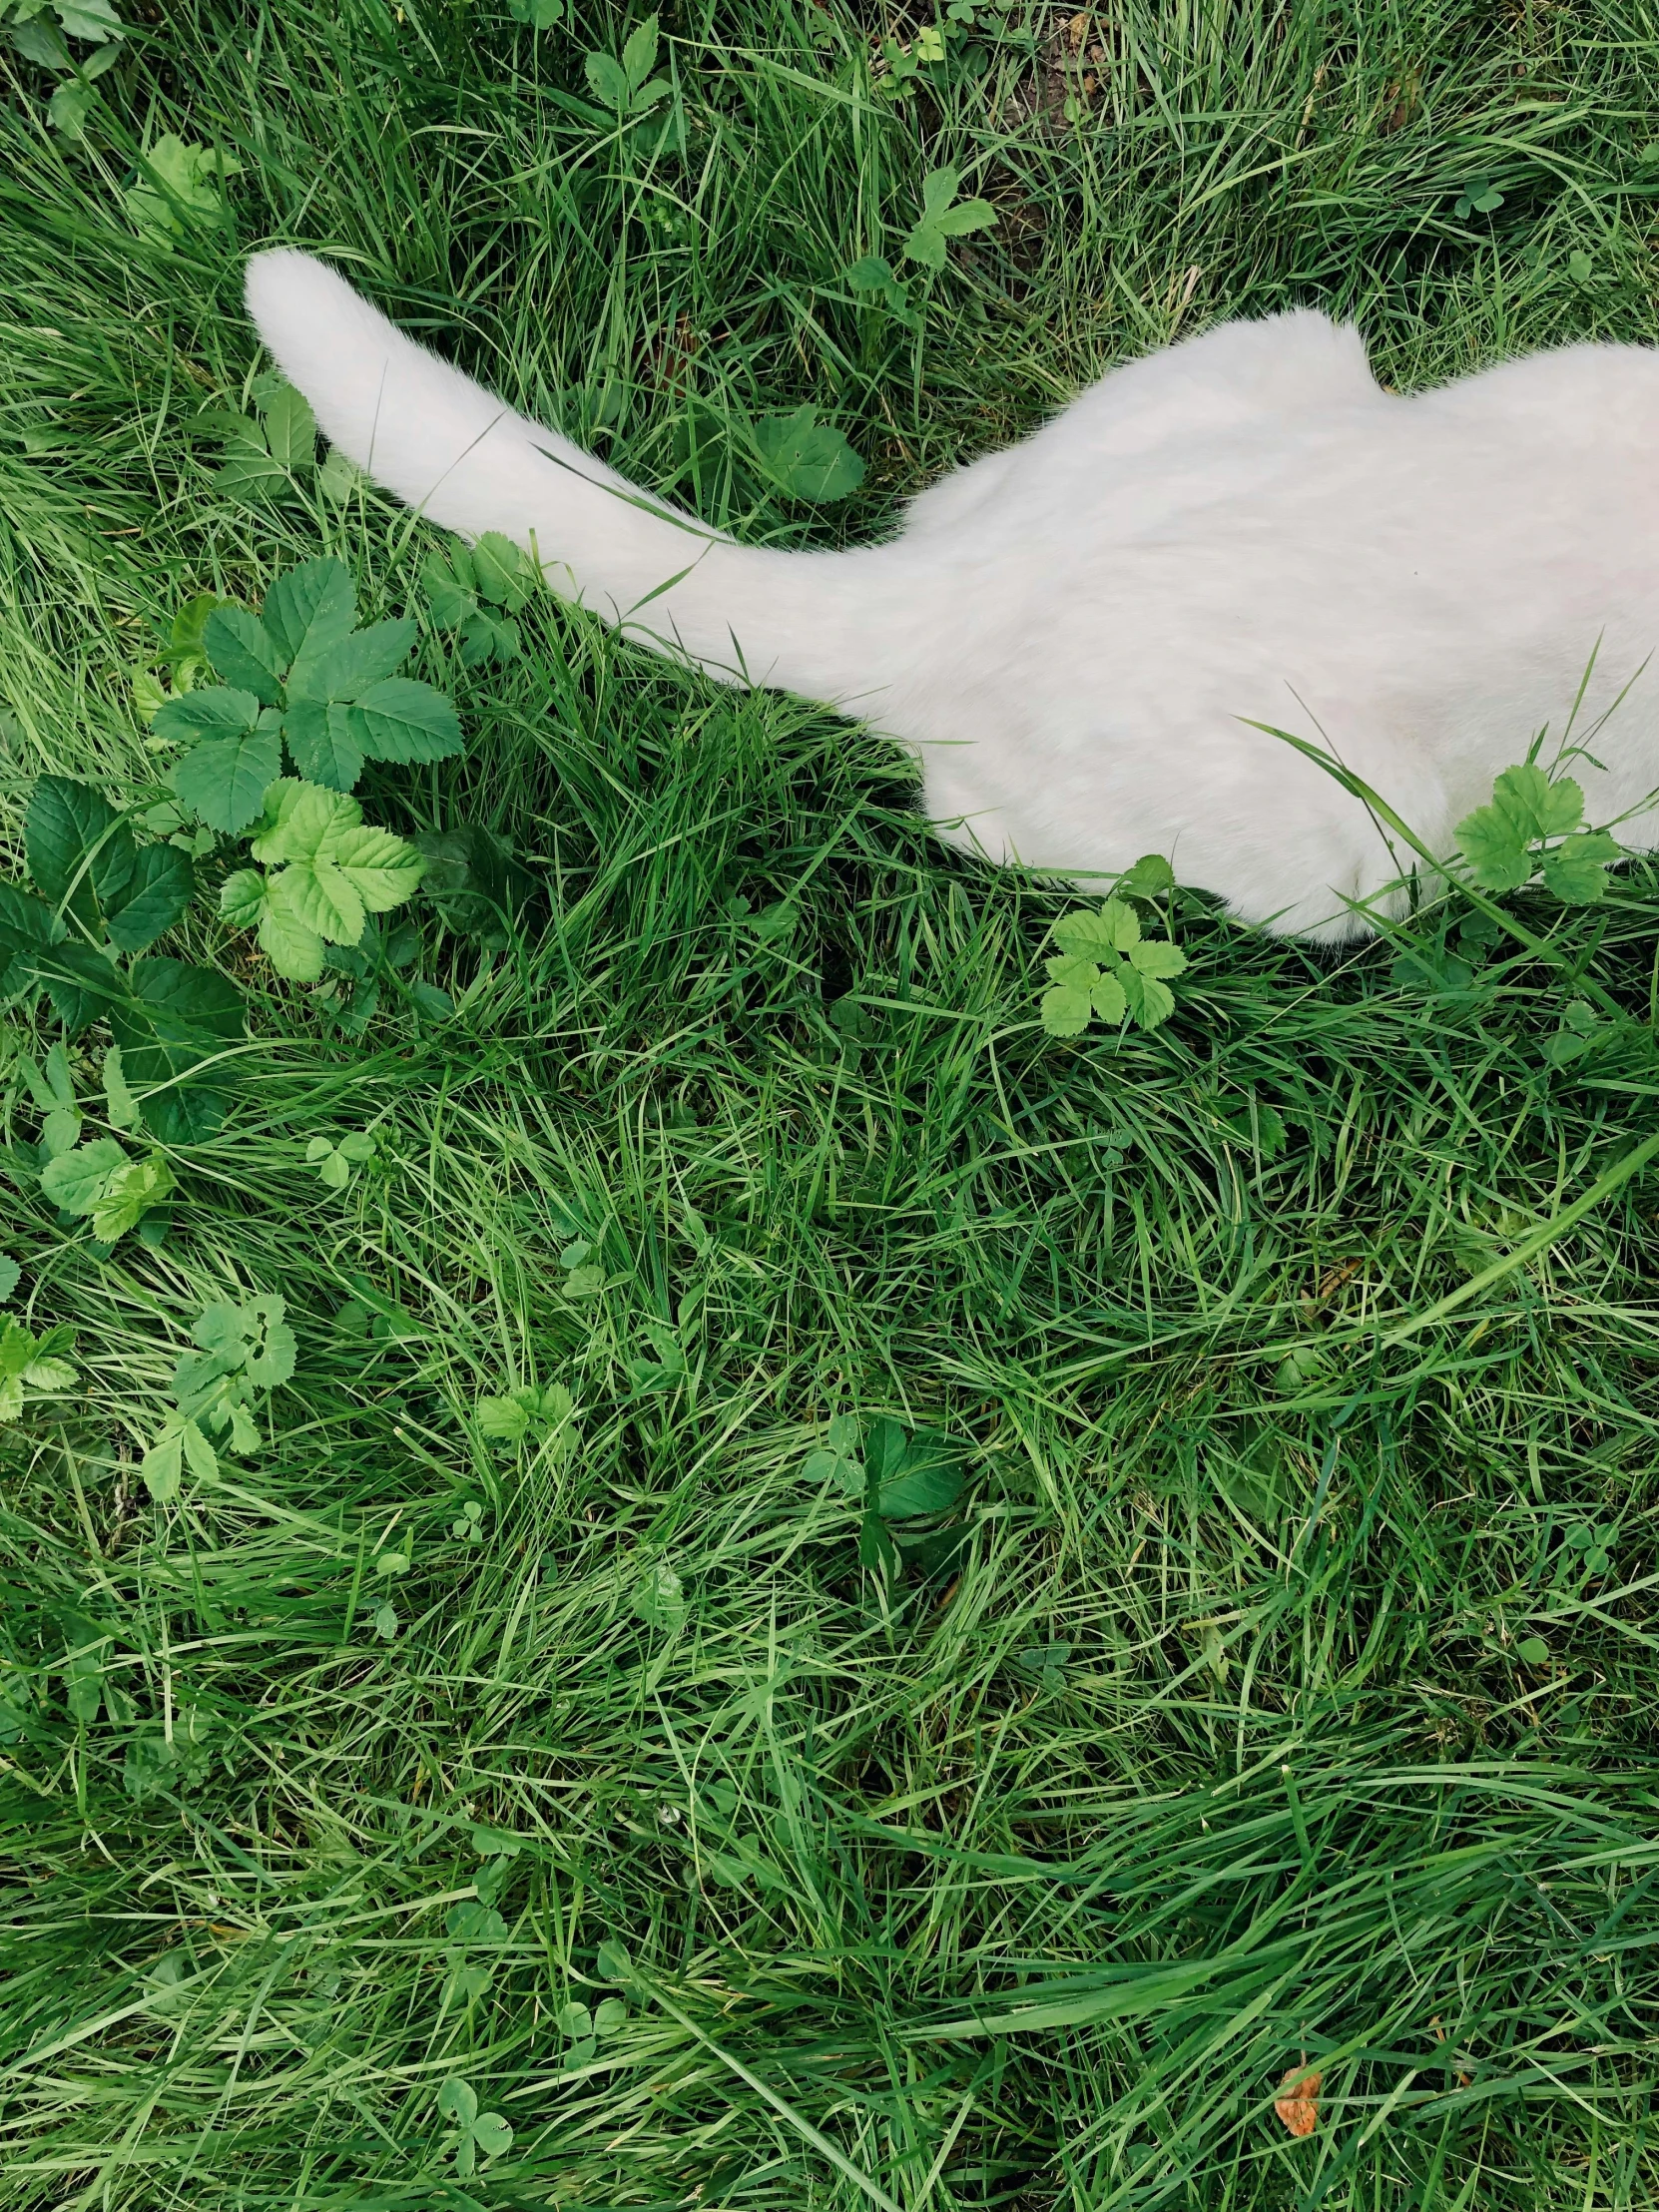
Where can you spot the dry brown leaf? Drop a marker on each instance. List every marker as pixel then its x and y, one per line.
pixel 1298 2102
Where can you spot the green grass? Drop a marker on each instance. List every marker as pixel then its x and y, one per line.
pixel 912 1922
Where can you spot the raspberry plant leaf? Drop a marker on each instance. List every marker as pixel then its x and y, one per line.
pixel 300 673
pixel 1106 970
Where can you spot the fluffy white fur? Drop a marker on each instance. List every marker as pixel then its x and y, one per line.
pixel 1075 634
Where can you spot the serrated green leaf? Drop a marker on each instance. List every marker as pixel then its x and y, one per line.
pixel 1073 972
pixel 122 1106
pixel 873 273
pixel 351 666
pixel 1065 1010
pixel 1150 878
pixel 806 458
pixel 1576 872
pixel 242 898
pixel 309 609
pixel 131 1191
pixel 67 825
pixel 1535 806
pixel 607 81
pixel 155 898
pixel 76 1180
pixel 450 600
pixel 60 1132
pixel 639 55
pixel 162 1465
pixel 1150 1001
pixel 272 1347
pixel 294 950
pixel 503 1420
pixel 660 1598
pixel 1495 848
pixel 939 189
pixel 289 428
pixel 1109 1001
pixel 1091 936
pixel 244 653
pixel 968 215
pixel 224 782
pixel 381 869
pixel 1158 957
pixel 405 720
pixel 322 744
pixel 505 576
pixel 298 820
pixel 213 712
pixel 315 897
pixel 248 470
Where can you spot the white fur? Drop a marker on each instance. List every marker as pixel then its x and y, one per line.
pixel 1075 634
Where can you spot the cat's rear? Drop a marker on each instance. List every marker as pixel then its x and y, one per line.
pixel 1077 636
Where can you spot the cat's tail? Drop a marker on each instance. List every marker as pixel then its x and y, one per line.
pixel 459 454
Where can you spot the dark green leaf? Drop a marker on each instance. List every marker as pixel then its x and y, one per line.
pixel 348 666
pixel 289 428
pixel 884 1449
pixel 808 459
pixel 67 823
pixel 401 719
pixel 1576 872
pixel 473 880
pixel 877 1549
pixel 81 983
pixel 173 1018
pixel 322 745
pixel 212 713
pixel 156 898
pixel 244 652
pixel 309 609
pixel 926 1479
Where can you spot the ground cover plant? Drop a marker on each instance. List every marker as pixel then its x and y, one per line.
pixel 654 1549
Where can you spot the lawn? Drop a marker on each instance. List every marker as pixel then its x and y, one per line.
pixel 442 1797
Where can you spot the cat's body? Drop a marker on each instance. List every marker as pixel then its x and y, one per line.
pixel 1075 634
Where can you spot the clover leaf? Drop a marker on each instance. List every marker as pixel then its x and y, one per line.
pixel 1478 196
pixel 482 2133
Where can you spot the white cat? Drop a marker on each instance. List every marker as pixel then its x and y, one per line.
pixel 1076 634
